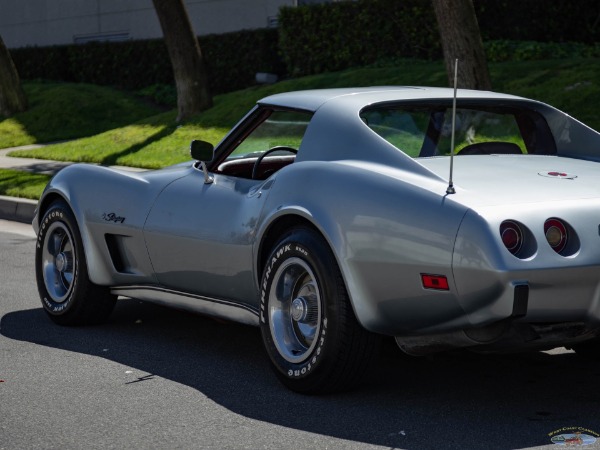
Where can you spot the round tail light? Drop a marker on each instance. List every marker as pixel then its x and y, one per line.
pixel 556 234
pixel 512 236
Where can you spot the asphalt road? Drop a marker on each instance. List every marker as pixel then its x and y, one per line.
pixel 154 378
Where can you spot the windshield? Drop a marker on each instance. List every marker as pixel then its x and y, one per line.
pixel 280 129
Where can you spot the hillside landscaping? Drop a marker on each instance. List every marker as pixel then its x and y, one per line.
pixel 108 126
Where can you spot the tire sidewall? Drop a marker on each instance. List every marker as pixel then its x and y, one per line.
pixel 589 349
pixel 301 244
pixel 58 213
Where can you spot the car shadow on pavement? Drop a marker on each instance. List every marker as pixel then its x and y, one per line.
pixel 458 400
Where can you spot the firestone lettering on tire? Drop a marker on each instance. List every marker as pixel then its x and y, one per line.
pixel 44 224
pixel 297 373
pixel 55 308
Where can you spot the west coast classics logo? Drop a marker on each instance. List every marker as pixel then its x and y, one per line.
pixel 574 436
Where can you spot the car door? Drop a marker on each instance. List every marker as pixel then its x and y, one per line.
pixel 200 236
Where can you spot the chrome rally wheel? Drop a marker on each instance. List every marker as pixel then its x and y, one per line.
pixel 294 310
pixel 67 294
pixel 310 332
pixel 58 262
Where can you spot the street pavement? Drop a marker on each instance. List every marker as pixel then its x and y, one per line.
pixel 158 378
pixel 21 209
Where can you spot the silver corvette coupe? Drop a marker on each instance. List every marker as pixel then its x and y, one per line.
pixel 331 218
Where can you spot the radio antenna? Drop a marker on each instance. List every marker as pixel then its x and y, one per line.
pixel 451 189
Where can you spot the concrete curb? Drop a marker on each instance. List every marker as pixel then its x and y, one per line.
pixel 17 209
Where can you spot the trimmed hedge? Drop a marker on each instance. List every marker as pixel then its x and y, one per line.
pixel 335 36
pixel 498 51
pixel 539 20
pixel 327 37
pixel 232 59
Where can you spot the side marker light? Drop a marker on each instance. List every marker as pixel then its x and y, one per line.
pixel 438 282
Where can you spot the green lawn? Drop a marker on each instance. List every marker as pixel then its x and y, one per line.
pixel 22 184
pixel 68 111
pixel 113 127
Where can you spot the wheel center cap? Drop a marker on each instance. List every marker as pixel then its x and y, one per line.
pixel 298 309
pixel 61 262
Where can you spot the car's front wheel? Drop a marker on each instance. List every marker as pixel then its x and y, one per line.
pixel 309 329
pixel 67 294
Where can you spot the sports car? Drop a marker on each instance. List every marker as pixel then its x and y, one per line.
pixel 333 218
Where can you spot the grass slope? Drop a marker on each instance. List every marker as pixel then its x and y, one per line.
pixel 60 111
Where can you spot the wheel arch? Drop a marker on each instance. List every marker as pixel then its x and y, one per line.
pixel 96 271
pixel 308 325
pixel 45 203
pixel 275 232
pixel 293 217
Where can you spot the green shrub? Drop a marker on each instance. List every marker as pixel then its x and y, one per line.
pixel 335 36
pixel 328 37
pixel 340 35
pixel 539 20
pixel 232 61
pixel 161 94
pixel 504 50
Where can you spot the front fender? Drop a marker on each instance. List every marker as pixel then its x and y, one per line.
pixel 109 203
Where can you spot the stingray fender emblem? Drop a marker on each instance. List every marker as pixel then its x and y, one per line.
pixel 112 217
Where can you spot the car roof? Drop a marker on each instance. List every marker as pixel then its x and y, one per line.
pixel 311 100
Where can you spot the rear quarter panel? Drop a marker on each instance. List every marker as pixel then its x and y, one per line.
pixel 385 228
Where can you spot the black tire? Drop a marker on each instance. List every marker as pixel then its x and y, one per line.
pixel 67 294
pixel 588 349
pixel 309 329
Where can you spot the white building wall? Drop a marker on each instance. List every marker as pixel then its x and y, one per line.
pixel 51 22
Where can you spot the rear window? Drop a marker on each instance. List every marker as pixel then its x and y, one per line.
pixel 422 131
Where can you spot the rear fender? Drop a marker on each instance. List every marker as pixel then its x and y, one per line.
pixel 381 246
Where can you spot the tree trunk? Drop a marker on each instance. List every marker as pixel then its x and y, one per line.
pixel 12 97
pixel 191 79
pixel 461 39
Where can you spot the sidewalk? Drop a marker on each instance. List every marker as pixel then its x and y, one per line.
pixel 22 209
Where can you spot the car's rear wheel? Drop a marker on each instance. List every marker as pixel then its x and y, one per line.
pixel 67 294
pixel 309 329
pixel 588 349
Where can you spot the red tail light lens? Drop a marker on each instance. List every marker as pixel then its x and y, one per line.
pixel 556 234
pixel 512 236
